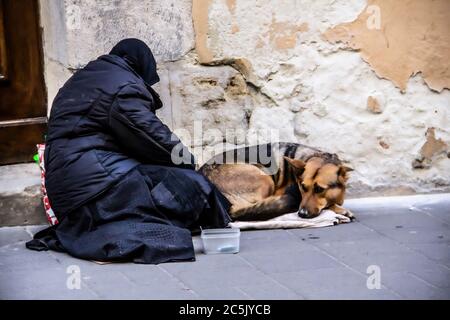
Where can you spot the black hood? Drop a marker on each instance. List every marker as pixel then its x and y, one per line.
pixel 139 56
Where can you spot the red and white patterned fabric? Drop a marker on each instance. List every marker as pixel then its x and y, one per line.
pixel 48 208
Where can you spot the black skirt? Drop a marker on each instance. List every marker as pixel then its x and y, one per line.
pixel 147 217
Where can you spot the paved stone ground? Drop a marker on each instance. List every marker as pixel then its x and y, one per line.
pixel 408 238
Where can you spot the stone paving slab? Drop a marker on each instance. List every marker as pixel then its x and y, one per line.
pixel 332 283
pixel 407 238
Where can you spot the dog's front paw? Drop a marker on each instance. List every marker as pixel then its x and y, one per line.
pixel 340 218
pixel 348 214
pixel 343 211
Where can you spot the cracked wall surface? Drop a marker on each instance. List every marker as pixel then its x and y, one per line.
pixel 310 69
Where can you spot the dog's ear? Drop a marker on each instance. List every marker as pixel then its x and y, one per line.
pixel 298 165
pixel 343 170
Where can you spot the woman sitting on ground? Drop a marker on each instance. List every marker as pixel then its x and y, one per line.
pixel 110 172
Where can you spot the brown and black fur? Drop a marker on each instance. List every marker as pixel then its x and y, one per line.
pixel 257 190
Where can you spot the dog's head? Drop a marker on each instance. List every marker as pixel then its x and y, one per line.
pixel 321 181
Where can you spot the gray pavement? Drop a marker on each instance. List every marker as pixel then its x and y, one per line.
pixel 400 243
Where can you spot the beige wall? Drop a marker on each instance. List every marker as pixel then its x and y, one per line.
pixel 365 79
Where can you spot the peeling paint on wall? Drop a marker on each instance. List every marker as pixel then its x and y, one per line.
pixel 200 10
pixel 373 105
pixel 411 37
pixel 231 4
pixel 431 148
pixel 283 35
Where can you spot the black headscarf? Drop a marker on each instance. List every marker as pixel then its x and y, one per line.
pixel 139 56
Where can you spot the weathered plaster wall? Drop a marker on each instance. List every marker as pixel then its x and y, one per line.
pixel 402 38
pixel 77 31
pixel 311 69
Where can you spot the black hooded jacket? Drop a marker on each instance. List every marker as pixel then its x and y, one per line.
pixel 103 124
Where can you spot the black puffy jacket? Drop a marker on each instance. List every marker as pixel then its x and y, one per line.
pixel 102 125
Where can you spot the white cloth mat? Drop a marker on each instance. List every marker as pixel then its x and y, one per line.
pixel 292 220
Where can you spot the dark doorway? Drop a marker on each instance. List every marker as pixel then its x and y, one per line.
pixel 23 106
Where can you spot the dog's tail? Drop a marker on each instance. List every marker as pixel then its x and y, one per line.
pixel 268 208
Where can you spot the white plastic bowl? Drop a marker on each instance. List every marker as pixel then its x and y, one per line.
pixel 224 240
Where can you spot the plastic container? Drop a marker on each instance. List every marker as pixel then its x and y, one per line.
pixel 221 240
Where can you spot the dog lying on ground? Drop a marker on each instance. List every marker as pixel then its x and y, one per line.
pixel 265 181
